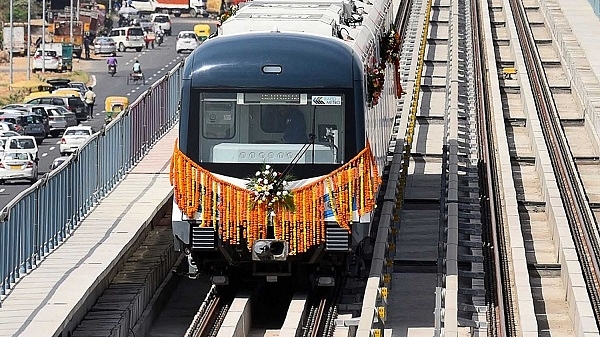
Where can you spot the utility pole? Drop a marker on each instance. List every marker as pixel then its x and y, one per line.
pixel 10 44
pixel 29 39
pixel 43 35
pixel 70 23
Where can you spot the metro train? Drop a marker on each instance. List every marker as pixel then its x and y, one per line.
pixel 285 120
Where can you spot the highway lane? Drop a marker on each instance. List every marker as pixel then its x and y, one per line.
pixel 155 63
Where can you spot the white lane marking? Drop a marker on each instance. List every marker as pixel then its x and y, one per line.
pixel 44 154
pixel 132 91
pixel 93 81
pixel 138 88
pixel 52 148
pixel 2 190
pixel 128 94
pixel 58 142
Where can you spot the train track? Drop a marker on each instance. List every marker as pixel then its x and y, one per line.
pixel 534 131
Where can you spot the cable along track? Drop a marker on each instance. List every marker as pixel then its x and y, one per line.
pixel 531 92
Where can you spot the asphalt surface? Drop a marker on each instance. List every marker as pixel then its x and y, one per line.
pixel 155 63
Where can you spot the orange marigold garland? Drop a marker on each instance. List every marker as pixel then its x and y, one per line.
pixel 198 191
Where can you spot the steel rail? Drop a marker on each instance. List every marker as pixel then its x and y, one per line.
pixel 489 173
pixel 581 223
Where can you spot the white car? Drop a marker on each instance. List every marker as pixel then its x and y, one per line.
pixel 18 165
pixel 22 144
pixel 52 60
pixel 186 41
pixel 6 126
pixel 163 21
pixel 73 138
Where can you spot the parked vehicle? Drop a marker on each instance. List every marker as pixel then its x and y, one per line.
pixel 186 41
pixel 104 45
pixel 71 102
pixel 22 143
pixel 5 126
pixel 51 60
pixel 37 110
pixel 6 134
pixel 177 7
pixel 82 87
pixel 19 44
pixel 68 115
pixel 73 138
pixel 128 38
pixel 17 165
pixel 162 20
pixel 59 82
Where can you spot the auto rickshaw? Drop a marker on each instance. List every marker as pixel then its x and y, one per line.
pixel 113 106
pixel 202 31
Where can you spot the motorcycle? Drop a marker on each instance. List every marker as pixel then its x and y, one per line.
pixel 159 39
pixel 112 70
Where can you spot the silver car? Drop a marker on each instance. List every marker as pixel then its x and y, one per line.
pixel 104 45
pixel 70 117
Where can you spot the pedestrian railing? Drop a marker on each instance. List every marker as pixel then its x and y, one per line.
pixel 40 218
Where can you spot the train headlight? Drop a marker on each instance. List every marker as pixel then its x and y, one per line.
pixel 270 250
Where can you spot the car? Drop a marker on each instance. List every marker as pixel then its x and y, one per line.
pixel 104 45
pixel 128 38
pixel 71 102
pixel 59 82
pixel 69 116
pixel 162 20
pixel 6 126
pixel 37 110
pixel 79 85
pixel 27 124
pixel 22 143
pixel 17 165
pixel 6 134
pixel 51 61
pixel 186 41
pixel 57 162
pixel 73 138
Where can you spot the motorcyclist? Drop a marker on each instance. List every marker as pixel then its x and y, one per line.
pixel 137 67
pixel 112 61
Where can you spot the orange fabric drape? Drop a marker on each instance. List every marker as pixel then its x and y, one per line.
pixel 196 190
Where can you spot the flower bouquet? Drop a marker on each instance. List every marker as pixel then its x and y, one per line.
pixel 269 188
pixel 375 80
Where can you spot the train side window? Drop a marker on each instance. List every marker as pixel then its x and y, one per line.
pixel 271 121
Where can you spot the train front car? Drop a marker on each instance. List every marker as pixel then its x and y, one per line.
pixel 274 171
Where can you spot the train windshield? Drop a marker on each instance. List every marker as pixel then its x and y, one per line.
pixel 272 128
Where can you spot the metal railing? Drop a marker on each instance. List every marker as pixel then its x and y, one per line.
pixel 43 216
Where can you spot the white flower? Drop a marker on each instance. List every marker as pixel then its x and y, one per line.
pixel 257 173
pixel 274 174
pixel 270 187
pixel 284 192
pixel 266 172
pixel 285 183
pixel 265 181
pixel 268 167
pixel 278 193
pixel 267 193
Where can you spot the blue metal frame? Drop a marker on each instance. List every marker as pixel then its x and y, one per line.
pixel 40 218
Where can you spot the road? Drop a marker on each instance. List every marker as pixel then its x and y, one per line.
pixel 155 64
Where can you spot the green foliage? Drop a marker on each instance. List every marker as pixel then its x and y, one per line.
pixel 19 10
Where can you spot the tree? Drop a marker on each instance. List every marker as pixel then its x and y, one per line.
pixel 19 10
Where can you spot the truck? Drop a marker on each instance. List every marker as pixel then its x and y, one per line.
pixel 217 7
pixel 61 33
pixel 177 7
pixel 19 43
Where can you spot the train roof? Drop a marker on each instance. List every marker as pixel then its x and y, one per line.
pixel 213 64
pixel 335 18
